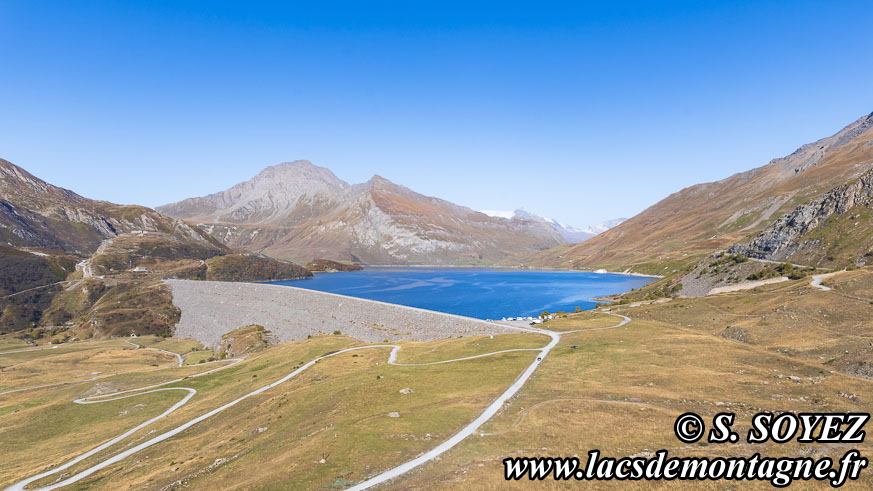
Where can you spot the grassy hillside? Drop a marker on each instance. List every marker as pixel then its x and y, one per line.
pixel 250 267
pixel 778 348
pixel 27 284
pixel 629 384
pixel 689 224
pixel 125 294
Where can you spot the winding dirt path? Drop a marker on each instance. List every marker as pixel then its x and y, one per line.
pixel 818 278
pixel 487 414
pixel 179 362
pixel 466 431
pixel 179 359
pixel 113 397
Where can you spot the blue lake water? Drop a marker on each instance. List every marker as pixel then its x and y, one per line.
pixel 480 293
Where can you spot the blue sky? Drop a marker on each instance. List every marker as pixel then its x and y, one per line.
pixel 583 111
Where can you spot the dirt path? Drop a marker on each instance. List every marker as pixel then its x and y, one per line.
pixel 487 414
pixel 179 359
pixel 748 285
pixel 818 278
pixel 19 486
pixel 190 393
pixel 468 430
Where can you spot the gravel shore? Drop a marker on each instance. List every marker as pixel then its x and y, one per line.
pixel 212 308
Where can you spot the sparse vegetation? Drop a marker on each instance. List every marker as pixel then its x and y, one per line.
pixel 249 267
pixel 326 265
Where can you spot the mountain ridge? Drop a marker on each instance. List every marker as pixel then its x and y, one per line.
pixel 70 260
pixel 34 213
pixel 300 211
pixel 699 219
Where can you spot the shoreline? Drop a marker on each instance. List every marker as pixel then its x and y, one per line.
pixel 511 268
pixel 415 269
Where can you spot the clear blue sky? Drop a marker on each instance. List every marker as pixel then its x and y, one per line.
pixel 579 111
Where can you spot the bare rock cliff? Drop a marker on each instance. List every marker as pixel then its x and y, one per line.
pixel 784 236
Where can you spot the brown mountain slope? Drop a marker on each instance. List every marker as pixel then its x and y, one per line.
pixel 301 212
pixel 710 216
pixel 122 252
pixel 34 213
pixel 45 230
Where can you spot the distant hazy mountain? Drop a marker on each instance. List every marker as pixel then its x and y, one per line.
pixel 301 211
pixel 604 226
pixel 568 233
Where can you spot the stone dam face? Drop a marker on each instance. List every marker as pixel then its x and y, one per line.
pixel 213 308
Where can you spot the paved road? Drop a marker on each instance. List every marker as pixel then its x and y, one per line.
pixel 768 261
pixel 468 430
pixel 85 265
pixel 35 288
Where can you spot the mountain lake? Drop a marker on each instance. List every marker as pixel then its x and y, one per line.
pixel 475 292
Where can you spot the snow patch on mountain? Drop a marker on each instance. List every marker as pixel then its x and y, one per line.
pixel 603 227
pixel 499 213
pixel 568 232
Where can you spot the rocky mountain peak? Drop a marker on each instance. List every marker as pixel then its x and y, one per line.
pixel 301 211
pixel 269 196
pixel 379 183
pixel 300 171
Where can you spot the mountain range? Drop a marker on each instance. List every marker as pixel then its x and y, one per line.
pixel 813 208
pixel 299 211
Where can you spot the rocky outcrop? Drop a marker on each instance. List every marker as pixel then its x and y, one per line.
pixel 783 237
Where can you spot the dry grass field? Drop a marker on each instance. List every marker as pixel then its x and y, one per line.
pixel 338 411
pixel 622 389
pixel 785 347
